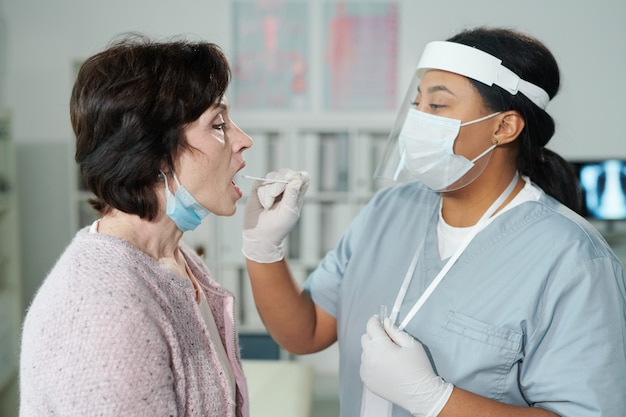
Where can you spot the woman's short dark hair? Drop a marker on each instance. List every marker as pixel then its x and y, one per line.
pixel 129 107
pixel 532 61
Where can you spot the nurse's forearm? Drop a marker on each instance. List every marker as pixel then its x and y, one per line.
pixel 465 404
pixel 287 311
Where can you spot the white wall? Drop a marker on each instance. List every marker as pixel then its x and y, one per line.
pixel 47 37
pixel 588 39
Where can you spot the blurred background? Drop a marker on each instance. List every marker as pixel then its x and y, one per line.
pixel 316 84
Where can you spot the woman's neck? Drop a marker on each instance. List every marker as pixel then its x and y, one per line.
pixel 158 238
pixel 464 207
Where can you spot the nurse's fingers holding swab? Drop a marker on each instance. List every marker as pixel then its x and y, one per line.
pixel 271 212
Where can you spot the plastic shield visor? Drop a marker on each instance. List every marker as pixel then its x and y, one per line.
pixel 391 167
pixel 398 166
pixel 463 60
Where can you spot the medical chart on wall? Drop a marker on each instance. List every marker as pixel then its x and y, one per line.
pixel 361 55
pixel 348 62
pixel 271 68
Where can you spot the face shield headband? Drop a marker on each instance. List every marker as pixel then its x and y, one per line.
pixel 480 66
pixel 463 60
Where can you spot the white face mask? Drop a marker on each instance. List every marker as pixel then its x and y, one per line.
pixel 426 145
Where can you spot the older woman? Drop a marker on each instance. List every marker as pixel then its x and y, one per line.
pixel 129 321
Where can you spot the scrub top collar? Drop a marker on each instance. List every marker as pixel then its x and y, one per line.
pixel 484 221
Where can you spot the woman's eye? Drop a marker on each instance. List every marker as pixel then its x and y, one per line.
pixel 219 122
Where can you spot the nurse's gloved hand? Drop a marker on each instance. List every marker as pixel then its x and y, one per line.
pixel 271 212
pixel 395 366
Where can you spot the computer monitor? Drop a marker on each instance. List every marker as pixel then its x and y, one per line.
pixel 603 184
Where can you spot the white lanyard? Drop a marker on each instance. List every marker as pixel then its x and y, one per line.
pixel 482 223
pixel 372 405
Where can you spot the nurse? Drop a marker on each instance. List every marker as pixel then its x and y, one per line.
pixel 502 300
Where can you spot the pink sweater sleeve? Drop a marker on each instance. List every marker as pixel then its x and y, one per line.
pixel 96 355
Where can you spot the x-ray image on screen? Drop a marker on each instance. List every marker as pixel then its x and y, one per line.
pixel 604 188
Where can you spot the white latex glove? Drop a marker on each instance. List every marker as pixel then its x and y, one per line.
pixel 395 366
pixel 271 212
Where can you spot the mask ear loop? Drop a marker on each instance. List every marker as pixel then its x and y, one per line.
pixel 486 151
pixel 495 141
pixel 164 176
pixel 489 116
pixel 176 179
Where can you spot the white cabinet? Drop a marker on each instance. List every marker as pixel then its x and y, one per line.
pixel 10 281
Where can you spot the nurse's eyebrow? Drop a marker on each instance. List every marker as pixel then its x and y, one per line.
pixel 437 88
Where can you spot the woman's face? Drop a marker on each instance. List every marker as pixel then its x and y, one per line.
pixel 214 156
pixel 446 94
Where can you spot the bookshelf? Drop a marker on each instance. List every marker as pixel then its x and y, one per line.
pixel 10 280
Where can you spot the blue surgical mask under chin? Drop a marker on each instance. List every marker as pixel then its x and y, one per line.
pixel 182 208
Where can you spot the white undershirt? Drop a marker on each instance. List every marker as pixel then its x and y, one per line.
pixel 450 237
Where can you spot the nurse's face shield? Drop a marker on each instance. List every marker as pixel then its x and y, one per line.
pixel 463 60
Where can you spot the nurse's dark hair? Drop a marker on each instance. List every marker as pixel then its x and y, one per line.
pixel 531 60
pixel 129 107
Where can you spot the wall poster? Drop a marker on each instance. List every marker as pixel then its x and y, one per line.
pixel 271 68
pixel 361 55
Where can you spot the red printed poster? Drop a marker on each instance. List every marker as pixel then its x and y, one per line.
pixel 361 55
pixel 271 68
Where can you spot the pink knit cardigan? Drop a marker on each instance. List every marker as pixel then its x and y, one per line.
pixel 112 333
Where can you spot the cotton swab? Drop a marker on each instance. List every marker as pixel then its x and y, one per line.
pixel 250 177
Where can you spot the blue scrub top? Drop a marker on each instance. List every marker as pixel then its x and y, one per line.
pixel 533 313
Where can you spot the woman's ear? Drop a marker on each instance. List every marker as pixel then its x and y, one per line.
pixel 510 127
